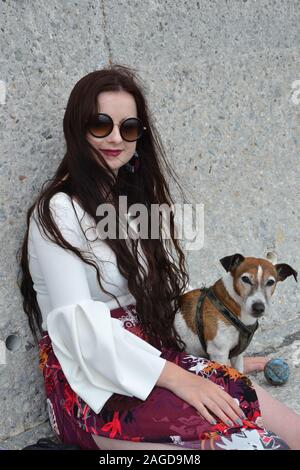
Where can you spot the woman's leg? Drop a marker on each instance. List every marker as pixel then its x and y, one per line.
pixel 104 443
pixel 254 364
pixel 279 418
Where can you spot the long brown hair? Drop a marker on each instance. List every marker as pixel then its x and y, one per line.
pixel 81 176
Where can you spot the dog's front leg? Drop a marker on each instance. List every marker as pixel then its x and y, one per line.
pixel 238 363
pixel 217 353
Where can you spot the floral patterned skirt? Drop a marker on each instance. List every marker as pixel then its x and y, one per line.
pixel 162 417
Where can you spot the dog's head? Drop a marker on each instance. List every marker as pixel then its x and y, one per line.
pixel 253 280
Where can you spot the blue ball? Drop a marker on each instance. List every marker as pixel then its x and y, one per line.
pixel 277 371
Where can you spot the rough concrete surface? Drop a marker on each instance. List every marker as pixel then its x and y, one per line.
pixel 223 83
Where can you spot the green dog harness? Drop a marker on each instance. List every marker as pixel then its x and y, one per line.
pixel 246 332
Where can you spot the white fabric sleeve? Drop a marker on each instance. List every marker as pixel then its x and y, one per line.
pixel 97 355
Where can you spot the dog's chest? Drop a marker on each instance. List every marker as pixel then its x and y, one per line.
pixel 226 338
pixel 193 345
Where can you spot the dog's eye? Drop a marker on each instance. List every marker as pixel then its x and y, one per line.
pixel 246 280
pixel 270 282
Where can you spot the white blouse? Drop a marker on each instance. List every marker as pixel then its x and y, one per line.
pixel 97 355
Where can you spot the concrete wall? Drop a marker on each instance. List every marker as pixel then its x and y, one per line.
pixel 221 79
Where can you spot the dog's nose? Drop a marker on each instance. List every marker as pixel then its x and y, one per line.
pixel 258 309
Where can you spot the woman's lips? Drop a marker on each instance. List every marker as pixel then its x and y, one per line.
pixel 111 153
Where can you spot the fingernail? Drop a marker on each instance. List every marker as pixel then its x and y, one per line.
pixel 213 422
pixel 239 422
pixel 229 423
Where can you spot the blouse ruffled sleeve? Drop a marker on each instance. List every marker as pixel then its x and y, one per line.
pixel 97 355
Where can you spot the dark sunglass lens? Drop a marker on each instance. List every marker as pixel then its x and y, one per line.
pixel 101 126
pixel 131 129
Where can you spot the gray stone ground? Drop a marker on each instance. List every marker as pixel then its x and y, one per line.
pixel 31 436
pixel 223 83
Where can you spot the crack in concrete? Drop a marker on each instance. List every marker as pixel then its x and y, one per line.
pixel 291 338
pixel 287 340
pixel 106 38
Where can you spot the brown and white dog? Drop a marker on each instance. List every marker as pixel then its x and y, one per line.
pixel 219 322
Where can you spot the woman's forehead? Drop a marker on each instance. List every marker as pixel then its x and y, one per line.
pixel 116 102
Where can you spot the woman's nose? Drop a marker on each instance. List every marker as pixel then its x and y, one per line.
pixel 115 135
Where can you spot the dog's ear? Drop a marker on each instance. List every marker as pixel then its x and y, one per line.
pixel 231 262
pixel 284 271
pixel 272 257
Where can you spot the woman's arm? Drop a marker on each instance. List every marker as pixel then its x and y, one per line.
pixel 98 356
pixel 201 393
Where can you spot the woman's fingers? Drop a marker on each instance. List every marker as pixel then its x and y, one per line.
pixel 217 409
pixel 227 411
pixel 231 415
pixel 233 405
pixel 203 412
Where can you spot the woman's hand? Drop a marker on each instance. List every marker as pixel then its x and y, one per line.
pixel 202 394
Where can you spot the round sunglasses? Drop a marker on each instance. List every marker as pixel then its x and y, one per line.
pixel 102 125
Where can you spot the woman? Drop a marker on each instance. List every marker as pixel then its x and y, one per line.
pixel 116 374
